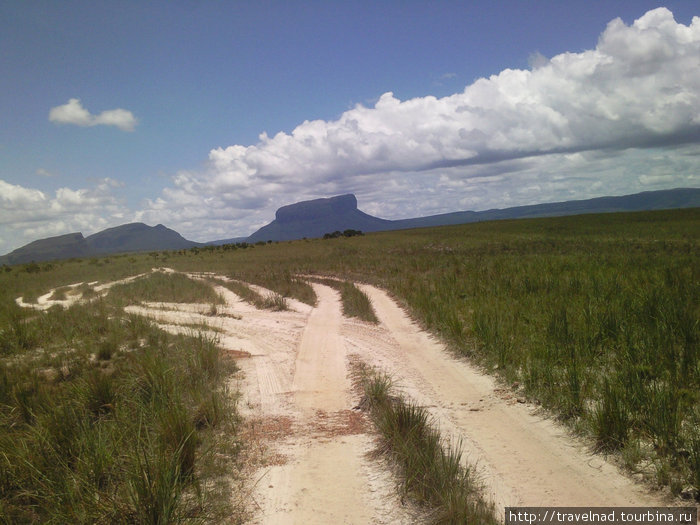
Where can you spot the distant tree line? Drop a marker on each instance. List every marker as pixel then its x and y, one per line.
pixel 222 247
pixel 346 233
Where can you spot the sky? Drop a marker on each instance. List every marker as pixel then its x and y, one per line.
pixel 208 116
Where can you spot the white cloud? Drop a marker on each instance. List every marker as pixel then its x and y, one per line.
pixel 518 137
pixel 73 112
pixel 27 214
pixel 15 198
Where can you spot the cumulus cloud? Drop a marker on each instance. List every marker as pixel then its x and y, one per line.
pixel 74 113
pixel 517 137
pixel 639 86
pixel 27 214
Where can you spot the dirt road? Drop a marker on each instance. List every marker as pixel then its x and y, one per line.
pixel 523 458
pixel 315 463
pixel 322 471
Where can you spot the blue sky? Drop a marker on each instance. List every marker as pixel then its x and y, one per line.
pixel 208 116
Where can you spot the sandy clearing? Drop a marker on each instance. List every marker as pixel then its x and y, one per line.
pixel 44 302
pixel 523 458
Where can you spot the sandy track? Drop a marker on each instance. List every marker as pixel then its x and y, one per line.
pixel 320 378
pixel 297 399
pixel 323 472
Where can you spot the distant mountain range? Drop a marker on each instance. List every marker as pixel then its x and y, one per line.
pixel 320 216
pixel 317 217
pixel 134 237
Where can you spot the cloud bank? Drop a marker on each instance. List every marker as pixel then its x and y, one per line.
pixel 571 125
pixel 30 214
pixel 74 113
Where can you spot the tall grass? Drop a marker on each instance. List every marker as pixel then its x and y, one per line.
pixel 432 471
pixel 17 334
pixel 284 283
pixel 270 301
pixel 165 287
pixel 243 291
pixel 274 301
pixel 354 301
pixel 116 440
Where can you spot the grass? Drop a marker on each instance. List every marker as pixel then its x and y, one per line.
pixel 271 301
pixel 124 438
pixel 165 287
pixel 60 294
pixel 432 471
pixel 284 283
pixel 243 291
pixel 355 302
pixel 274 301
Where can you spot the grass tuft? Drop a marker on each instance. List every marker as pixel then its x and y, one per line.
pixel 274 301
pixel 355 302
pixel 124 438
pixel 432 470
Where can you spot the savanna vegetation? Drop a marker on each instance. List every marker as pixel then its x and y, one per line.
pixel 595 317
pixel 108 419
pixel 270 301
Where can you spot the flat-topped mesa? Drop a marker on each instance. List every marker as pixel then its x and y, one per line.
pixel 315 218
pixel 316 209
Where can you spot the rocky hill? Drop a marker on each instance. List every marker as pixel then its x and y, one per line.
pixel 134 237
pixel 59 247
pixel 137 237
